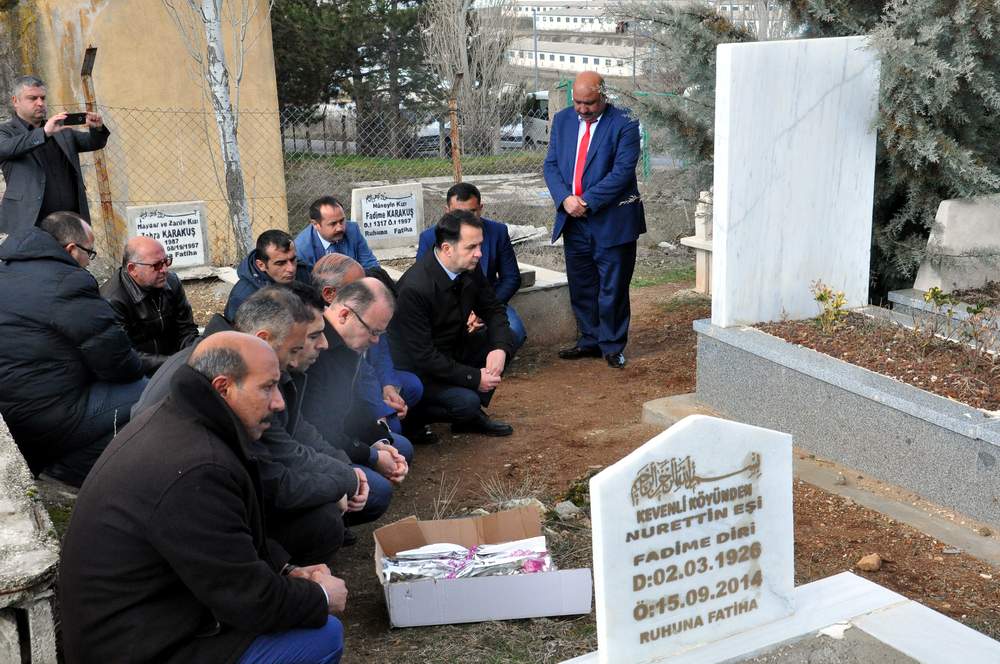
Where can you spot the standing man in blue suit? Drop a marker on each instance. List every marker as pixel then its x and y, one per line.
pixel 590 172
pixel 329 232
pixel 499 263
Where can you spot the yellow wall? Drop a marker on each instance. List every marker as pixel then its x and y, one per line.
pixel 164 143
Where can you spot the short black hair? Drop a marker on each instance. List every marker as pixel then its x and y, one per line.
pixel 449 227
pixel 65 227
pixel 320 202
pixel 309 294
pixel 272 238
pixel 463 191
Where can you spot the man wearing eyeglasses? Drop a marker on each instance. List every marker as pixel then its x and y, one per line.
pixel 70 375
pixel 150 303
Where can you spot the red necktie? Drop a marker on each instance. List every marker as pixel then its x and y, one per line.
pixel 581 160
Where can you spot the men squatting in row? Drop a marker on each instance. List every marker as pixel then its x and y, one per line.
pixel 221 470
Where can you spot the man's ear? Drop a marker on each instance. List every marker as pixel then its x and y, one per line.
pixel 261 265
pixel 263 334
pixel 221 384
pixel 329 292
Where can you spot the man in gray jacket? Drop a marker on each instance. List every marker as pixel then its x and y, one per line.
pixel 40 159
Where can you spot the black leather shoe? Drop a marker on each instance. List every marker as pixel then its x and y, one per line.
pixel 423 436
pixel 483 425
pixel 615 360
pixel 576 352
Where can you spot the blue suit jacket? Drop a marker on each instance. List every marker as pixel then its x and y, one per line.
pixel 610 188
pixel 498 263
pixel 309 249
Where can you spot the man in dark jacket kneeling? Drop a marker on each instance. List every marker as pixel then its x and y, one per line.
pixel 166 559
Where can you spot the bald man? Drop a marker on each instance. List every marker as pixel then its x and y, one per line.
pixel 166 557
pixel 590 173
pixel 150 303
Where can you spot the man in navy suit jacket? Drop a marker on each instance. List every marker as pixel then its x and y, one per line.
pixel 498 263
pixel 590 172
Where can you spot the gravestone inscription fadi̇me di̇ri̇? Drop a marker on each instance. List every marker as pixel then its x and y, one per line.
pixel 389 216
pixel 693 539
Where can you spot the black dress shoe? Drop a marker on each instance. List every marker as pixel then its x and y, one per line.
pixel 576 352
pixel 423 436
pixel 483 425
pixel 615 360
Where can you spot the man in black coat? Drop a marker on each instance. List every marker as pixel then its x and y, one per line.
pixel 40 159
pixel 150 303
pixel 429 334
pixel 166 558
pixel 70 375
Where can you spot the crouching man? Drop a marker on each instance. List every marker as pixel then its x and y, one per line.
pixel 165 558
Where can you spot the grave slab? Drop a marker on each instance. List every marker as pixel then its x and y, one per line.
pixel 794 176
pixel 845 600
pixel 692 539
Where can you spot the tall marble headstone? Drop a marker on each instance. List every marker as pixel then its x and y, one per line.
pixel 389 216
pixel 794 176
pixel 692 539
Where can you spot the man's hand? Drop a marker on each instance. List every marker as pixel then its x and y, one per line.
pixel 392 398
pixel 487 381
pixel 94 120
pixel 495 362
pixel 54 124
pixel 336 589
pixel 400 467
pixel 357 502
pixel 474 323
pixel 306 572
pixel 574 206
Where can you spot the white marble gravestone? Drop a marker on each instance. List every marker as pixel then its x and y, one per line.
pixel 389 216
pixel 794 176
pixel 179 227
pixel 692 539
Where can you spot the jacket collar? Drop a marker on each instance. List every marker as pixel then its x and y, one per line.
pixel 192 394
pixel 437 273
pixel 136 293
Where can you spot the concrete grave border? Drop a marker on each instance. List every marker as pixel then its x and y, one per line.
pixel 941 449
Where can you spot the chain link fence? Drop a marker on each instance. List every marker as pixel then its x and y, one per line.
pixel 292 157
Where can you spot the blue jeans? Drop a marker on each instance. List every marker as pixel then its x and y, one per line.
pixel 109 408
pixel 517 327
pixel 324 645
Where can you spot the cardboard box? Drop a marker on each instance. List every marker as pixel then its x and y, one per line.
pixel 446 601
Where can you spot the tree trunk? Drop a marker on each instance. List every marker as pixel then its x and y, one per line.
pixel 218 85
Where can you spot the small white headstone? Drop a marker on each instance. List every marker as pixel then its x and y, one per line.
pixel 179 227
pixel 693 539
pixel 389 216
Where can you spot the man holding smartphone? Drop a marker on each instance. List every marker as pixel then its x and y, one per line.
pixel 40 158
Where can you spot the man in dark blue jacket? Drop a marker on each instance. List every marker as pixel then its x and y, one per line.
pixel 499 263
pixel 70 375
pixel 590 173
pixel 273 261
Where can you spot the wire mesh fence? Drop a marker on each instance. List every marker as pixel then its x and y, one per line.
pixel 292 157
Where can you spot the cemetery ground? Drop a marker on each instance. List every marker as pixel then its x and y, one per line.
pixel 572 418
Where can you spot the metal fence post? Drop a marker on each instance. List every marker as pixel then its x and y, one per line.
pixel 456 151
pixel 118 232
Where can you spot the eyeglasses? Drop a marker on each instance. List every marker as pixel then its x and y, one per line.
pixel 158 265
pixel 91 254
pixel 374 333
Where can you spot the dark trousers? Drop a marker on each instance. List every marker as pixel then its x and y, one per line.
pixel 598 278
pixel 109 407
pixel 311 536
pixel 444 402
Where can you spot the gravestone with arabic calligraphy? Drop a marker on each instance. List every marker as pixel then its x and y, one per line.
pixel 692 539
pixel 389 216
pixel 179 227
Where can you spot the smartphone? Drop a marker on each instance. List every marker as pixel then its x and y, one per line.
pixel 75 119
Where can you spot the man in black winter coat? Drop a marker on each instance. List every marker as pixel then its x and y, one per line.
pixel 150 303
pixel 430 336
pixel 166 557
pixel 70 375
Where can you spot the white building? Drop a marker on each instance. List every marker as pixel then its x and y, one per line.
pixel 572 57
pixel 576 20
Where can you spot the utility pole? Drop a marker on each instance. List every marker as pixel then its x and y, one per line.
pixel 534 31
